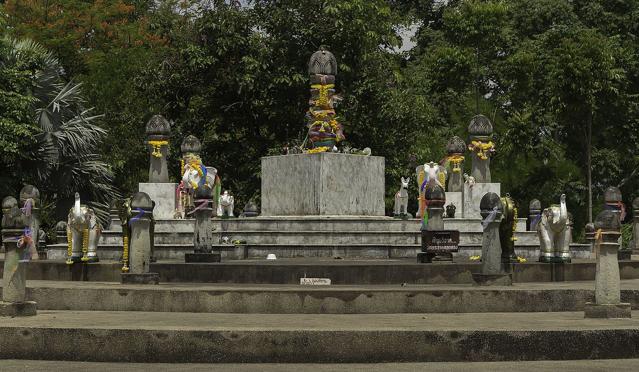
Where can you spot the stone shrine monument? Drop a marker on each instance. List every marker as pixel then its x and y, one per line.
pixel 19 246
pixel 493 270
pixel 320 181
pixel 158 131
pixel 480 131
pixel 203 231
pixel 455 149
pixel 140 241
pixel 614 202
pixel 607 281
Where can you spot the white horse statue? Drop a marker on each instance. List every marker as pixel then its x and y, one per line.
pixel 226 204
pixel 401 199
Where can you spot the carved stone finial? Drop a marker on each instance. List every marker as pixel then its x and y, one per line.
pixel 191 144
pixel 635 203
pixel 435 195
pixel 141 200
pixel 322 62
pixel 158 125
pixel 455 145
pixel 607 220
pixel 480 126
pixel 535 205
pixel 612 195
pixel 488 203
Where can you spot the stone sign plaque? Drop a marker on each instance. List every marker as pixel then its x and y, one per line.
pixel 440 241
pixel 315 281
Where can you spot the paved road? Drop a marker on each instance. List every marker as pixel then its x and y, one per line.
pixel 534 366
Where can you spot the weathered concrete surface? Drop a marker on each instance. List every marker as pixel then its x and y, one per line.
pixel 345 271
pixel 188 337
pixel 163 194
pixel 600 365
pixel 322 184
pixel 335 299
pixel 472 196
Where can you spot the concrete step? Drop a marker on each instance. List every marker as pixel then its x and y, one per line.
pixel 317 223
pixel 368 251
pixel 333 299
pixel 289 271
pixel 315 338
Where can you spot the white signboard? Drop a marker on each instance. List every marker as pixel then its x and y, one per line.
pixel 315 281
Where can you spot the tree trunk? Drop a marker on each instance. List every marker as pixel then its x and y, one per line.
pixel 589 154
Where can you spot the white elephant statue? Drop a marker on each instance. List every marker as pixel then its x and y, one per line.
pixel 553 230
pixel 198 182
pixel 83 233
pixel 225 205
pixel 401 199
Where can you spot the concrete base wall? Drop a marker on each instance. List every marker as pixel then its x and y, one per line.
pixel 472 196
pixel 322 184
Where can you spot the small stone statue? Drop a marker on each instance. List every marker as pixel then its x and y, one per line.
pixel 250 209
pixel 225 205
pixel 401 199
pixel 83 233
pixel 450 210
pixel 324 131
pixel 480 131
pixel 552 230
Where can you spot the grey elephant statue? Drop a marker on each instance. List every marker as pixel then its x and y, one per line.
pixel 554 234
pixel 83 233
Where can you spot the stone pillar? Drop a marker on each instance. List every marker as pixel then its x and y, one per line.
pixel 534 214
pixel 493 270
pixel 203 231
pixel 324 131
pixel 140 241
pixel 158 131
pixel 613 201
pixel 455 149
pixel 480 131
pixel 635 225
pixel 435 200
pixel 590 237
pixel 61 233
pixel 14 278
pixel 30 202
pixel 607 282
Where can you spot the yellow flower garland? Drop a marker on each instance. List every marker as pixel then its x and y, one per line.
pixel 317 149
pixel 156 147
pixel 456 161
pixel 514 225
pixel 322 101
pixel 481 148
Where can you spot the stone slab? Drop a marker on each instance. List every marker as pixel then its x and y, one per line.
pixel 18 309
pixel 608 311
pixel 202 257
pixel 187 337
pixel 492 279
pixel 472 196
pixel 323 184
pixel 163 194
pixel 145 278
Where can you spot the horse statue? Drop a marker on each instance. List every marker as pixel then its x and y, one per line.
pixel 83 233
pixel 198 182
pixel 401 199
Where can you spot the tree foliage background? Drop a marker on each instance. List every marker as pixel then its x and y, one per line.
pixel 234 75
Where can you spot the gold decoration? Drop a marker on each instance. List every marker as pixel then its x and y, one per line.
pixel 481 148
pixel 513 238
pixel 157 145
pixel 317 149
pixel 125 254
pixel 456 161
pixel 69 246
pixel 322 101
pixel 85 245
pixel 441 177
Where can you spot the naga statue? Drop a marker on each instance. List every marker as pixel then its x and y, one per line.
pixel 83 233
pixel 126 215
pixel 507 228
pixel 198 182
pixel 553 230
pixel 324 131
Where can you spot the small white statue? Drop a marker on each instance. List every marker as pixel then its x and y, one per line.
pixel 401 199
pixel 470 180
pixel 553 230
pixel 226 204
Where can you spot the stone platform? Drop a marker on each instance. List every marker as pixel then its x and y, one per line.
pixel 322 184
pixel 333 299
pixel 315 338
